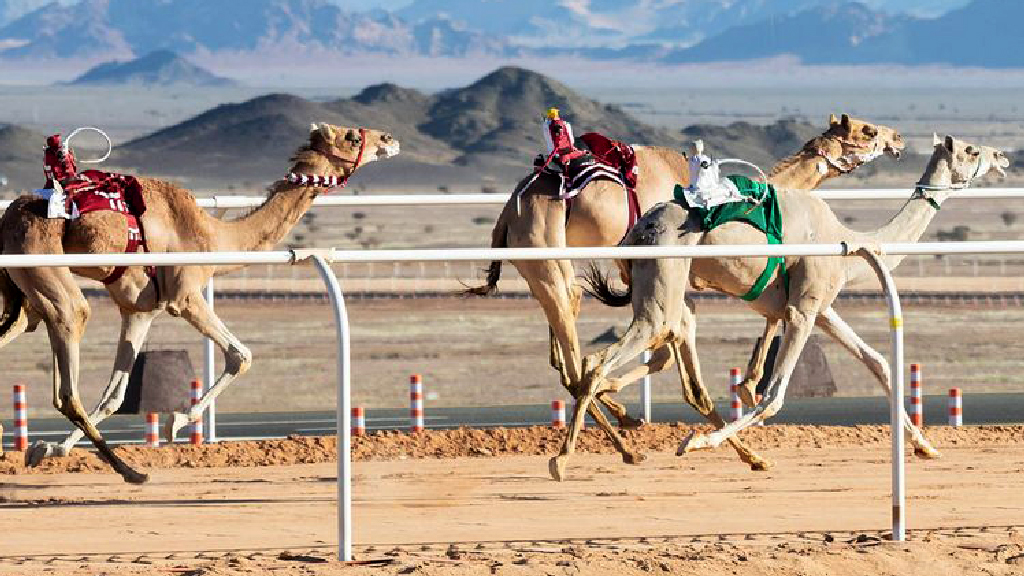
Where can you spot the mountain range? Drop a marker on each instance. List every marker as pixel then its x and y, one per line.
pixel 956 32
pixel 160 68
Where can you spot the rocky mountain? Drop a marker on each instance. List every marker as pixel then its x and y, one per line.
pixel 131 27
pixel 160 68
pixel 853 33
pixel 763 145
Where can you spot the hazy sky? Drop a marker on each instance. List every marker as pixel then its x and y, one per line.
pixel 367 4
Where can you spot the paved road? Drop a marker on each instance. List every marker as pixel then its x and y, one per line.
pixel 978 409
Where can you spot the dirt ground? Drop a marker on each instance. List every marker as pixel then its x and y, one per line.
pixel 480 502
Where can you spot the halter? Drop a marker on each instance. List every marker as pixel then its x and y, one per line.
pixel 330 182
pixel 848 162
pixel 920 188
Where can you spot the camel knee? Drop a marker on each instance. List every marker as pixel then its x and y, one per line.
pixel 237 359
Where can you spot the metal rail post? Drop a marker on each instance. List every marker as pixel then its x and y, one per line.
pixel 344 409
pixel 210 371
pixel 892 298
pixel 645 391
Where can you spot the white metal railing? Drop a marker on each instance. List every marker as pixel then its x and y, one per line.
pixel 321 259
pixel 226 202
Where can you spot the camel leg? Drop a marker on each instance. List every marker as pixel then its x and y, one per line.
pixel 55 295
pixel 134 328
pixel 237 358
pixel 755 368
pixel 800 318
pixel 695 392
pixel 840 331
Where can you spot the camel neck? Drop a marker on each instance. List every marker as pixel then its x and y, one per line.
pixel 805 170
pixel 911 222
pixel 269 223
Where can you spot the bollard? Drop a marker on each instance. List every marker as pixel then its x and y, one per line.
pixel 197 425
pixel 916 405
pixel 416 403
pixel 734 391
pixel 358 421
pixel 557 414
pixel 20 418
pixel 152 430
pixel 956 407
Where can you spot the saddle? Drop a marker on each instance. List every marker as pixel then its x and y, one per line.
pixel 72 194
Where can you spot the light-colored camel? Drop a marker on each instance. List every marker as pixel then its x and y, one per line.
pixel 173 223
pixel 657 287
pixel 599 218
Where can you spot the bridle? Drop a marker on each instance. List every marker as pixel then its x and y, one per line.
pixel 330 182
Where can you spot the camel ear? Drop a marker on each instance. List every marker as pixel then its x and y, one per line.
pixel 832 120
pixel 697 148
pixel 935 139
pixel 845 121
pixel 326 131
pixel 313 127
pixel 949 143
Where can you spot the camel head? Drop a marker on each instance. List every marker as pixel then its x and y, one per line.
pixel 860 142
pixel 961 162
pixel 347 149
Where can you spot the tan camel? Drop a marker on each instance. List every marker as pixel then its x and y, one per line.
pixel 173 223
pixel 657 288
pixel 599 218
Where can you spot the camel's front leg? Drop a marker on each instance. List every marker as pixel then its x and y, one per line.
pixel 134 328
pixel 841 332
pixel 800 321
pixel 237 358
pixel 755 368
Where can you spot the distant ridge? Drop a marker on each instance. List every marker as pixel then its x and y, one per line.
pixel 158 68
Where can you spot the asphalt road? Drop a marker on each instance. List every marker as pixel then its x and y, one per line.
pixel 978 409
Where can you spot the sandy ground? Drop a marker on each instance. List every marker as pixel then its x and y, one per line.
pixel 823 508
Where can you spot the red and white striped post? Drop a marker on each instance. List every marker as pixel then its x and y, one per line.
pixel 416 403
pixel 20 418
pixel 197 425
pixel 558 414
pixel 358 421
pixel 152 430
pixel 916 405
pixel 956 407
pixel 735 378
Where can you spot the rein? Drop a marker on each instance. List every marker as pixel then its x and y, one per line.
pixel 330 182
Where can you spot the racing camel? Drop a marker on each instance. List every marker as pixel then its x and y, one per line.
pixel 662 319
pixel 599 217
pixel 172 223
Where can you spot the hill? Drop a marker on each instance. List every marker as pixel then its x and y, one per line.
pixel 489 129
pixel 21 157
pixel 763 145
pixel 159 68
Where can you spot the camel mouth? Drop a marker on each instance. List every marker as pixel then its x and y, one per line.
pixel 895 153
pixel 388 150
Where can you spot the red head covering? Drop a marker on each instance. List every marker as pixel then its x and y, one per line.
pixel 56 164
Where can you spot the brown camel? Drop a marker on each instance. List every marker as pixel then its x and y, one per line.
pixel 599 218
pixel 173 223
pixel 662 319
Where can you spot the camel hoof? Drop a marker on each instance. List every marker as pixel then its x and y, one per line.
pixel 627 422
pixel 633 457
pixel 37 452
pixel 760 465
pixel 133 477
pixel 693 442
pixel 174 424
pixel 927 454
pixel 556 467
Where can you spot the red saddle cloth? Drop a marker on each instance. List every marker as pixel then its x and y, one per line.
pixel 95 190
pixel 616 154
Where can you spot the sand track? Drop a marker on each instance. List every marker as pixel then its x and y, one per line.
pixel 461 502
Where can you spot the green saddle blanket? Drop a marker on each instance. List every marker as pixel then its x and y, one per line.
pixel 765 216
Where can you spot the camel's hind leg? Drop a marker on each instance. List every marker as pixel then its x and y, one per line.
pixel 54 295
pixel 840 331
pixel 134 328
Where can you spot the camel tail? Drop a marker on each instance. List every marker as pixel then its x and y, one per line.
pixel 596 284
pixel 499 239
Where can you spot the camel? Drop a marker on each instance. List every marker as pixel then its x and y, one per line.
pixel 173 223
pixel 661 319
pixel 598 218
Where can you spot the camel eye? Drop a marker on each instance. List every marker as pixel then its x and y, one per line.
pixel 870 131
pixel 352 137
pixel 973 151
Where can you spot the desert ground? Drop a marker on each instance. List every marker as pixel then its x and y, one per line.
pixel 480 502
